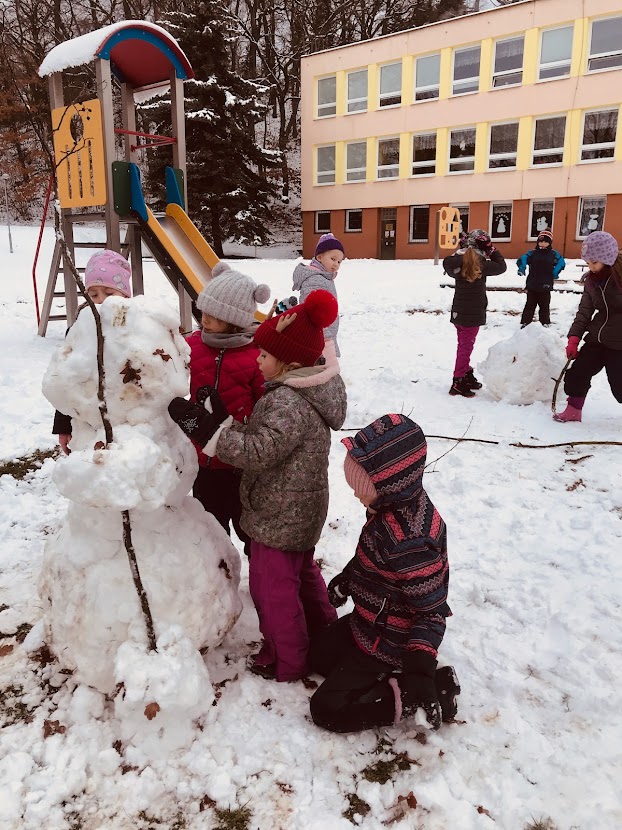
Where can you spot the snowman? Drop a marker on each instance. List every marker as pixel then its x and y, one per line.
pixel 541 223
pixel 592 225
pixel 93 620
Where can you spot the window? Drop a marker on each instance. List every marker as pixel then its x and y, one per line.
pixel 327 96
pixel 391 84
pixel 508 69
pixel 548 140
pixel 354 221
pixel 419 223
pixel 326 164
pixel 466 70
pixel 322 221
pixel 555 53
pixel 356 161
pixel 424 154
pixel 462 150
pixel 388 158
pixel 501 221
pixel 605 44
pixel 591 216
pixel 427 77
pixel 464 217
pixel 357 91
pixel 540 217
pixel 599 135
pixel 503 146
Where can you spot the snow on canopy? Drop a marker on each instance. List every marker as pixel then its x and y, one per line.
pixel 146 58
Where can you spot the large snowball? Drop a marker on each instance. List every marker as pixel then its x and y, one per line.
pixel 188 566
pixel 522 369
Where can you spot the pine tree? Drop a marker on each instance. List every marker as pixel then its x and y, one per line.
pixel 228 188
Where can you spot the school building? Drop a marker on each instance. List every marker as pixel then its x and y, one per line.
pixel 511 115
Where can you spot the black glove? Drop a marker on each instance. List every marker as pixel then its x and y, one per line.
pixel 215 405
pixel 418 687
pixel 195 420
pixel 338 590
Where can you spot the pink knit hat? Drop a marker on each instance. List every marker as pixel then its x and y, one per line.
pixel 358 479
pixel 110 269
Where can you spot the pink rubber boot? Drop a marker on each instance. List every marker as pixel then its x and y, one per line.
pixel 572 412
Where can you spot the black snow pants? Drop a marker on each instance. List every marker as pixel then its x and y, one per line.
pixel 219 493
pixel 541 299
pixel 592 358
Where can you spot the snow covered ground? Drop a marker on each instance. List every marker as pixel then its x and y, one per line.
pixel 534 546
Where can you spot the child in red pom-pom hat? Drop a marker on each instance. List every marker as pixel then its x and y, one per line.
pixel 283 454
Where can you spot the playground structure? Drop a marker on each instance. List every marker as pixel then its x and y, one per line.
pixel 94 185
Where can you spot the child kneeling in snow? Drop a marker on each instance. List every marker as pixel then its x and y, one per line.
pixel 600 315
pixel 283 455
pixel 224 357
pixel 107 274
pixel 380 660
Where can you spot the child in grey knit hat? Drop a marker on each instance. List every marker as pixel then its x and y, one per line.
pixel 224 357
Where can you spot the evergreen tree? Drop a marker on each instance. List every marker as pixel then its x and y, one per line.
pixel 228 189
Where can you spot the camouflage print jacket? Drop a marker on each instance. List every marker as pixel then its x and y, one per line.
pixel 283 452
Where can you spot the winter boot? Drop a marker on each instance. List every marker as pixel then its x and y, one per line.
pixel 447 689
pixel 572 411
pixel 472 380
pixel 265 670
pixel 460 386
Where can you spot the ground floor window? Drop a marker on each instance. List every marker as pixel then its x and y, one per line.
pixel 540 216
pixel 501 221
pixel 354 221
pixel 591 215
pixel 322 221
pixel 464 217
pixel 419 223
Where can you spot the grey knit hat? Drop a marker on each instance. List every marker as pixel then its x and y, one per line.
pixel 600 246
pixel 232 296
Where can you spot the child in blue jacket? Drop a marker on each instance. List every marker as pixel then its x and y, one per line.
pixel 545 265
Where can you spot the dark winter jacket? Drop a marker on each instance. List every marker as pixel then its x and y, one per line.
pixel 600 312
pixel 283 453
pixel 399 575
pixel 236 375
pixel 470 301
pixel 308 278
pixel 545 265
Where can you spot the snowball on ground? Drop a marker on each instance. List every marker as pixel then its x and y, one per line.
pixel 522 369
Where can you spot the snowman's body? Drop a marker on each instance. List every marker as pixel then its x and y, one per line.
pixel 188 565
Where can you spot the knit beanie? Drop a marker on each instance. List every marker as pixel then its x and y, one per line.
pixel 358 479
pixel 478 239
pixel 328 242
pixel 302 340
pixel 110 269
pixel 231 296
pixel 545 236
pixel 600 246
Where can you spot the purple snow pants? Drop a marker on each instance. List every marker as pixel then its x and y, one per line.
pixel 290 596
pixel 466 341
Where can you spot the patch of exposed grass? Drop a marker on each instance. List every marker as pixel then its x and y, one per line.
pixel 12 708
pixel 357 807
pixel 236 819
pixel 541 824
pixel 21 467
pixel 148 822
pixel 383 771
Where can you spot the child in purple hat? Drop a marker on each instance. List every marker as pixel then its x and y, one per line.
pixel 321 273
pixel 599 317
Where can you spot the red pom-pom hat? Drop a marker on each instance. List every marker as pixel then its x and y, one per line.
pixel 302 340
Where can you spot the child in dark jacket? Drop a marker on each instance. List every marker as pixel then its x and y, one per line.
pixel 107 274
pixel 224 357
pixel 476 259
pixel 545 265
pixel 380 660
pixel 600 315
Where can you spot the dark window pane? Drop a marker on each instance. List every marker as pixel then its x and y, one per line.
pixel 419 223
pixel 354 220
pixel 322 221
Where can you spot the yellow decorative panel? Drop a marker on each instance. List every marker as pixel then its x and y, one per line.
pixel 445 84
pixel 372 86
pixel 79 154
pixel 481 147
pixel 408 68
pixel 485 65
pixel 340 162
pixel 442 151
pixel 370 175
pixel 525 133
pixel 574 124
pixel 405 155
pixel 579 46
pixel 530 57
pixel 341 92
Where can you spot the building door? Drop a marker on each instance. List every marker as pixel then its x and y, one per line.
pixel 388 232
